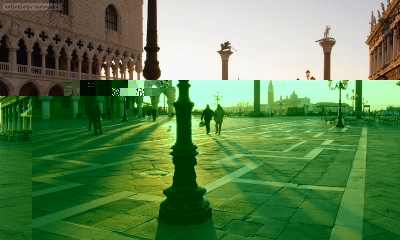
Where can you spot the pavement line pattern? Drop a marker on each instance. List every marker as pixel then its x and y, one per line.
pixel 349 221
pixel 63 160
pixel 327 142
pixel 332 128
pixel 55 189
pixel 344 130
pixel 236 174
pixel 289 185
pixel 318 135
pixel 294 146
pixel 77 231
pixel 314 153
pixel 57 216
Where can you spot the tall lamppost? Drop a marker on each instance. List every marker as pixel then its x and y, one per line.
pixel 217 98
pixel 341 85
pixel 352 98
pixel 151 70
pixel 185 204
pixel 124 119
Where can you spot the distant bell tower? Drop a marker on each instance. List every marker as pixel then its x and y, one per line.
pixel 270 93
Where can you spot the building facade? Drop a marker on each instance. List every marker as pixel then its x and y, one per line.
pixel 384 42
pixel 91 39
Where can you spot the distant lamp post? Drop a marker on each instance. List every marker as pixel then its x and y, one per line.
pixel 217 98
pixel 124 119
pixel 341 85
pixel 185 204
pixel 352 98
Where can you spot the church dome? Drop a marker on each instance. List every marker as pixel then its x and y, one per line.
pixel 294 96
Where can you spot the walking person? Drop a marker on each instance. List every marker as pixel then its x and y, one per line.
pixel 154 114
pixel 97 119
pixel 135 111
pixel 207 115
pixel 89 108
pixel 219 118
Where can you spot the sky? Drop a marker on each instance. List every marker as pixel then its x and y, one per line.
pixel 273 39
pixel 378 94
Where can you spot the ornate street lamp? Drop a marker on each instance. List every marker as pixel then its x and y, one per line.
pixel 185 204
pixel 124 119
pixel 341 85
pixel 352 97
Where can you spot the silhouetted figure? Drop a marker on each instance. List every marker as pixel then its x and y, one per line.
pixel 149 113
pixel 135 111
pixel 97 119
pixel 207 115
pixel 108 112
pixel 218 118
pixel 143 113
pixel 89 107
pixel 154 114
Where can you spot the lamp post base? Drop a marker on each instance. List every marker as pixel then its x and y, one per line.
pixel 124 119
pixel 340 123
pixel 185 208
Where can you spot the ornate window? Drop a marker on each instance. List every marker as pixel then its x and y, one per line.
pixel 59 6
pixel 111 18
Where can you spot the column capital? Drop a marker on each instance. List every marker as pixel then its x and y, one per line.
pixel 225 55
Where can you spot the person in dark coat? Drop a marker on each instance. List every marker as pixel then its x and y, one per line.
pixel 97 119
pixel 154 114
pixel 89 107
pixel 207 115
pixel 219 119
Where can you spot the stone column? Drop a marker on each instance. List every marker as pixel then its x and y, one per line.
pixel 45 107
pixel 130 70
pixel 13 59
pixel 57 64
pixel 18 108
pixel 24 119
pixel 43 62
pixel 121 106
pixel 8 118
pixel 257 95
pixel 13 119
pixel 29 59
pixel 99 70
pixel 225 62
pixel 327 44
pixel 90 62
pixel 68 66
pixel 107 70
pixel 171 100
pixel 79 67
pixel 75 106
pixel 139 103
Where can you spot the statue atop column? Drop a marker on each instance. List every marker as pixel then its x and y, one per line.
pixel 327 32
pixel 383 7
pixel 226 46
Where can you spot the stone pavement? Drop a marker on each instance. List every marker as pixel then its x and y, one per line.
pixel 267 178
pixel 15 190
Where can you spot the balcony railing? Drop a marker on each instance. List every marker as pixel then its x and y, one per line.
pixel 5 66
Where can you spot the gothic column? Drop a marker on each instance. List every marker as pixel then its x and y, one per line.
pixel 12 51
pixel 45 106
pixel 327 45
pixel 79 67
pixel 75 106
pixel 99 70
pixel 139 103
pixel 18 106
pixel 43 52
pixel 130 70
pixel 8 118
pixel 57 64
pixel 121 101
pixel 115 71
pixel 225 63
pixel 170 101
pixel 68 66
pixel 107 69
pixel 90 61
pixel 29 59
pixel 24 119
pixel 13 119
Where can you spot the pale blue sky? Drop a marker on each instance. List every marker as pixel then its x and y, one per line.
pixel 274 39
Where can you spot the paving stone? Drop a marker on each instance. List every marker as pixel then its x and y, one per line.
pixel 315 217
pixel 237 207
pixel 300 231
pixel 244 228
pixel 275 212
pixel 122 222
